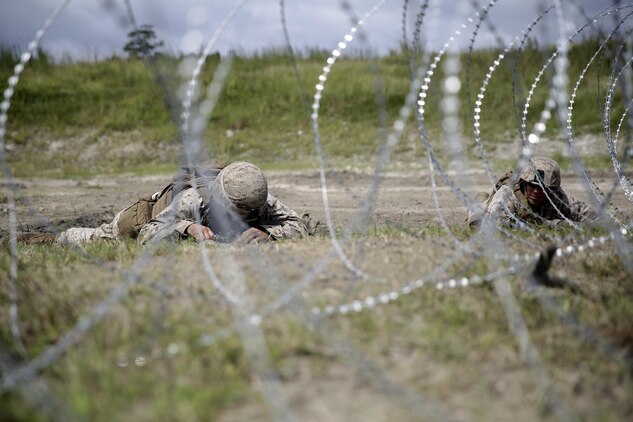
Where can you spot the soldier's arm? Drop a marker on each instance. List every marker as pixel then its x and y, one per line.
pixel 578 210
pixel 173 221
pixel 281 221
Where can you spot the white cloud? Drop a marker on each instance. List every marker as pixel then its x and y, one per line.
pixel 86 27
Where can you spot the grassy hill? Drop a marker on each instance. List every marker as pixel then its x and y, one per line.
pixel 263 111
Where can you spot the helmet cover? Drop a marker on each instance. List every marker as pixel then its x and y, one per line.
pixel 243 186
pixel 541 170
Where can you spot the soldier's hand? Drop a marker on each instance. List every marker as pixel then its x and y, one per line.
pixel 200 232
pixel 254 235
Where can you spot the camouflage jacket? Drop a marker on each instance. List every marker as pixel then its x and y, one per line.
pixel 510 203
pixel 187 207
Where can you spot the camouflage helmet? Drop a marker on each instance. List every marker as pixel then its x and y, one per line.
pixel 543 170
pixel 243 186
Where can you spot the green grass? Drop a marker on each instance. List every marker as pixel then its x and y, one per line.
pixel 261 103
pixel 456 331
pixel 452 345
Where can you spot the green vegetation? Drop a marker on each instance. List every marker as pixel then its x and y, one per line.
pixel 171 349
pixel 114 105
pixel 147 360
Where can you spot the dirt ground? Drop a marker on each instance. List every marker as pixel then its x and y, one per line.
pixel 404 198
pixel 346 389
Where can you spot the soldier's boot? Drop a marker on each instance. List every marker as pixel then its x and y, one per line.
pixel 475 216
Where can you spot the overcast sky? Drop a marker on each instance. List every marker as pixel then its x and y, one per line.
pixel 97 28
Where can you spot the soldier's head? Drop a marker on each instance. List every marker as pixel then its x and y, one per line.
pixel 540 173
pixel 241 188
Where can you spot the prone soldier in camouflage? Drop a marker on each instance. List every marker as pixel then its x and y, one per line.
pixel 535 198
pixel 233 206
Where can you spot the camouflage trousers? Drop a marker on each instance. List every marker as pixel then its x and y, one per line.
pixel 79 235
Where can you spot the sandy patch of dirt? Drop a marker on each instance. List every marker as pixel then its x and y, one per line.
pixel 404 198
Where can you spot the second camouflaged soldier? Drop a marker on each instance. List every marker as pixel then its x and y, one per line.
pixel 225 204
pixel 535 198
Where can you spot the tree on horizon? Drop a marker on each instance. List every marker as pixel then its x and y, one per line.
pixel 143 42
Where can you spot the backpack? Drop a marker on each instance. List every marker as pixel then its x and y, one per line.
pixel 506 179
pixel 485 197
pixel 134 217
pixel 474 218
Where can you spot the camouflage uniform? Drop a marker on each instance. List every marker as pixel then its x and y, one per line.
pixel 239 189
pixel 275 218
pixel 510 204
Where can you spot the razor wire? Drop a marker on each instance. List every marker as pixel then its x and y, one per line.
pixel 6 172
pixel 248 320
